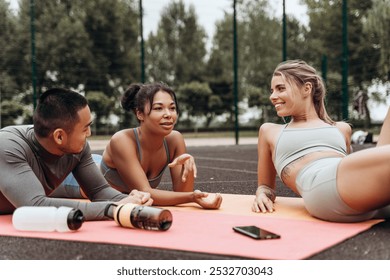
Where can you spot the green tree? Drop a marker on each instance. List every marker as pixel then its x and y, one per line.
pixel 220 65
pixel 297 47
pixel 101 106
pixel 10 108
pixel 17 54
pixel 176 53
pixel 61 44
pixel 11 111
pixel 83 42
pixel 376 26
pixel 7 55
pixel 260 47
pixel 259 50
pixel 112 27
pixel 199 101
pixel 89 45
pixel 325 38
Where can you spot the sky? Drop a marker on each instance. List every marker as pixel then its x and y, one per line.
pixel 209 11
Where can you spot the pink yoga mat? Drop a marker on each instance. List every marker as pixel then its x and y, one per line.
pixel 238 204
pixel 211 232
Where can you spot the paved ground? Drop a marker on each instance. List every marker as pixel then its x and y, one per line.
pixel 191 142
pixel 224 168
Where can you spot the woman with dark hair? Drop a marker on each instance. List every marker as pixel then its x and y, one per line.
pixel 311 154
pixel 136 158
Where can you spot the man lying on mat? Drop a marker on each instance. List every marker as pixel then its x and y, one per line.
pixel 34 160
pixel 309 154
pixel 136 158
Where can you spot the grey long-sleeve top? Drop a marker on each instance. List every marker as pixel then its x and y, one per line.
pixel 29 173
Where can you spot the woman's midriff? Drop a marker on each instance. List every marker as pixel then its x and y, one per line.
pixel 290 171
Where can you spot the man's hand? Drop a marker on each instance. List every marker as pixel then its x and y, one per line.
pixel 138 197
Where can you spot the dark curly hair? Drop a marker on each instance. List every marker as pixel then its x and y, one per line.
pixel 137 96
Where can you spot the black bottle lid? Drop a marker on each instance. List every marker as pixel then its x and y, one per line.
pixel 75 219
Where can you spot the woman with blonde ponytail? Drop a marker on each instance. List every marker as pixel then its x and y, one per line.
pixel 312 154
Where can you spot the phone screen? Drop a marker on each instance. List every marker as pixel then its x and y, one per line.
pixel 256 232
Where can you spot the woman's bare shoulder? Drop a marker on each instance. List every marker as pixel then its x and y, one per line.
pixel 122 137
pixel 123 133
pixel 174 137
pixel 344 127
pixel 268 133
pixel 346 130
pixel 269 127
pixel 174 134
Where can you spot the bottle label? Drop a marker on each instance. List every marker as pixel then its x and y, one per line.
pixel 122 214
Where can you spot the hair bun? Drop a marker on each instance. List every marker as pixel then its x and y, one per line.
pixel 128 100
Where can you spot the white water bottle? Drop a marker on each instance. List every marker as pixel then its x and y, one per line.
pixel 47 218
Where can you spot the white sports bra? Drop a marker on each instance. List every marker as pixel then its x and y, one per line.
pixel 294 143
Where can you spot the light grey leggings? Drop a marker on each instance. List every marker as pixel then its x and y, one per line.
pixel 316 183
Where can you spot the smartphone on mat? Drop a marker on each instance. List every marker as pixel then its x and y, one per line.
pixel 256 232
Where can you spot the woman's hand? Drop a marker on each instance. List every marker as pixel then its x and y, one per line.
pixel 205 201
pixel 264 201
pixel 189 166
pixel 138 197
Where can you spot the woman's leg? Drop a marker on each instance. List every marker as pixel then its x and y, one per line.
pixel 363 179
pixel 317 184
pixel 70 188
pixel 384 136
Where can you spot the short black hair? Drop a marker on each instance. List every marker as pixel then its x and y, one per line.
pixel 57 108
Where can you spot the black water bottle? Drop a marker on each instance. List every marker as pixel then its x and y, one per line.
pixel 139 216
